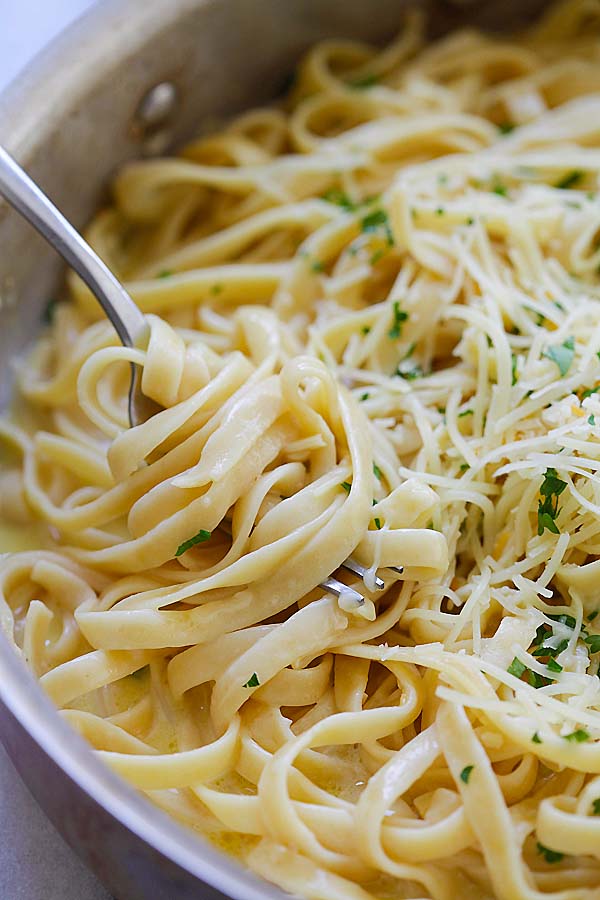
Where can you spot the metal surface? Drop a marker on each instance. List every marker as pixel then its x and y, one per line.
pixel 71 119
pixel 26 196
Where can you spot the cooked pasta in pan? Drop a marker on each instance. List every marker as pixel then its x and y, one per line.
pixel 375 336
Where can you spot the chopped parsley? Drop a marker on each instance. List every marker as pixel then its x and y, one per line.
pixel 578 736
pixel 465 412
pixel 197 539
pixel 252 681
pixel 166 273
pixel 596 807
pixel 466 774
pixel 365 329
pixel 553 652
pixel 591 420
pixel 400 316
pixel 593 642
pixel 362 84
pixel 536 738
pixel 553 666
pixel 550 490
pixel 317 265
pixel 570 180
pixel 506 127
pixel 377 471
pixel 500 189
pixel 589 391
pixel 377 256
pixel 408 371
pixel 375 220
pixel 592 615
pixel 346 485
pixel 562 354
pixel 365 396
pixel 216 289
pixel 377 524
pixel 440 211
pixel 339 198
pixel 551 856
pixel 513 368
pixel 48 314
pixel 517 668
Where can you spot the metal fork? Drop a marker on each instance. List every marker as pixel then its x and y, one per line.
pixel 331 584
pixel 130 324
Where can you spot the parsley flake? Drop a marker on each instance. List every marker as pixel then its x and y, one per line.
pixel 596 807
pixel 252 681
pixel 548 509
pixel 551 856
pixel 196 539
pixel 536 739
pixel 166 273
pixel 578 736
pixel 400 316
pixel 569 180
pixel 362 84
pixel 562 354
pixel 346 485
pixel 377 471
pixel 377 524
pixel 466 774
pixel 506 127
pixel 339 198
pixel 517 668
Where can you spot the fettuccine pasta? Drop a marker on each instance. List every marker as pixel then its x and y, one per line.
pixel 375 333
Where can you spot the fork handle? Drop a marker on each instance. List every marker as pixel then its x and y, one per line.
pixel 22 193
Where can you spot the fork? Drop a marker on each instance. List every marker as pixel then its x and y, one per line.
pixel 129 322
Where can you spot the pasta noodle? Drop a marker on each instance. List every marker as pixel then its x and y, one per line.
pixel 375 332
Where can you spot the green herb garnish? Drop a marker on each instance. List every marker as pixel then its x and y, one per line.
pixel 377 219
pixel 409 372
pixel 377 471
pixel 339 198
pixel 553 666
pixel 536 739
pixel 506 127
pixel 593 642
pixel 517 668
pixel 197 539
pixel 377 524
pixel 562 354
pixel 513 368
pixel 362 84
pixel 551 856
pixel 400 316
pixel 465 412
pixel 166 273
pixel 365 396
pixel 548 509
pixel 216 289
pixel 569 180
pixel 578 736
pixel 466 774
pixel 252 681
pixel 596 807
pixel 48 314
pixel 346 485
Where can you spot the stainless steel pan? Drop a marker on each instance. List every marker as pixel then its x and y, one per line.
pixel 81 110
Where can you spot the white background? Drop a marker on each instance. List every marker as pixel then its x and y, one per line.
pixel 35 863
